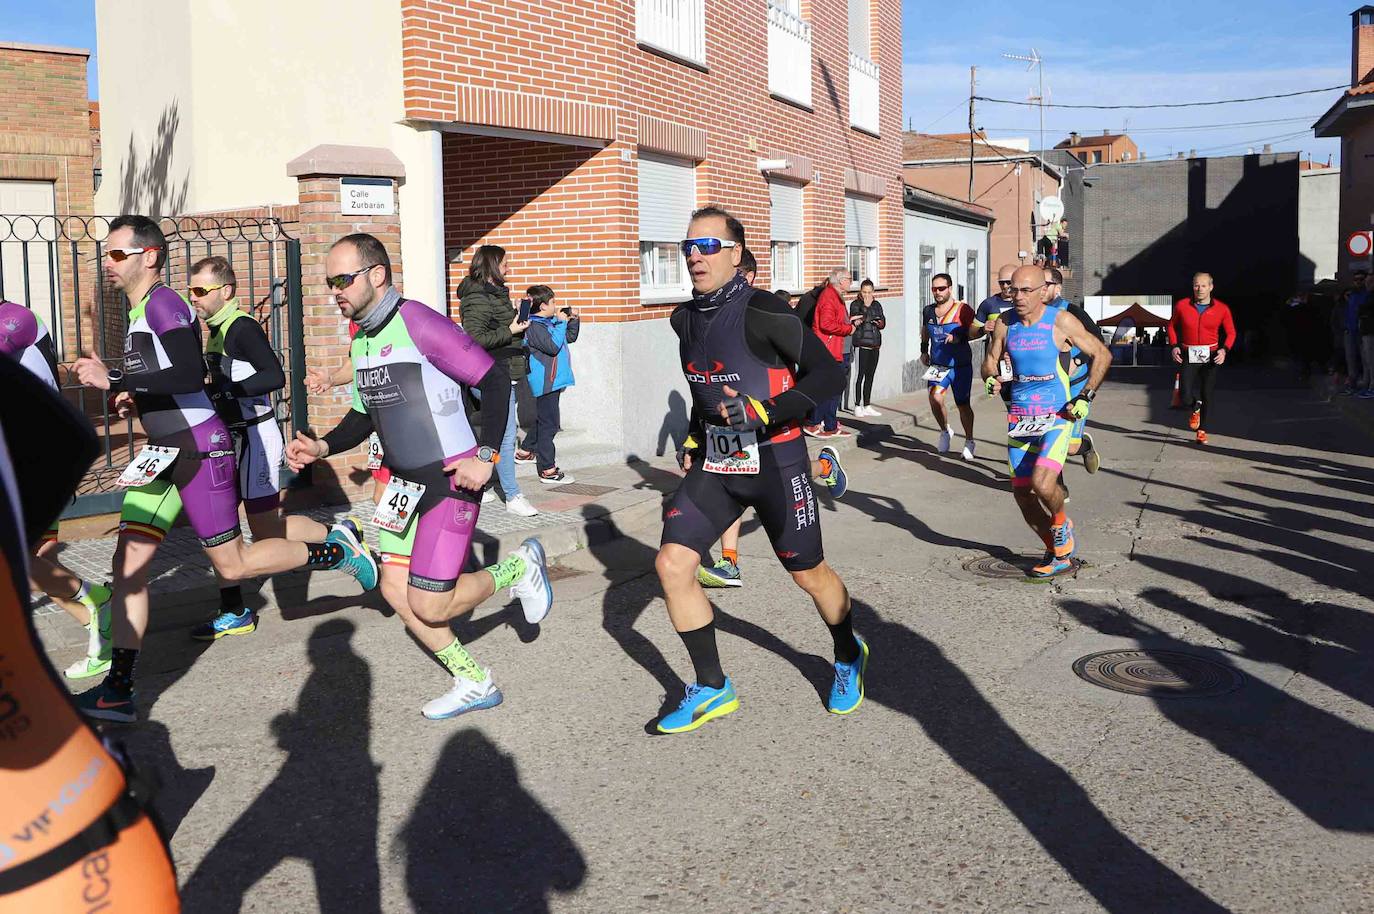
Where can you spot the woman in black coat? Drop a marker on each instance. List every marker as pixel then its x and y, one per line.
pixel 867 340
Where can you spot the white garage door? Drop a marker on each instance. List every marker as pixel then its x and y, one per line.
pixel 29 198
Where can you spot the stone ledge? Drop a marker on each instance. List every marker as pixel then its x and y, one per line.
pixel 358 161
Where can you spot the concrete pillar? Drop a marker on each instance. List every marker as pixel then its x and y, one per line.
pixel 422 214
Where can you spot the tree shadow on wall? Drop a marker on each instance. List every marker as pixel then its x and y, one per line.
pixel 145 182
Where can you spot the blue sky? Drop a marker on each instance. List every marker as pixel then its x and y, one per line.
pixel 1104 53
pixel 1112 53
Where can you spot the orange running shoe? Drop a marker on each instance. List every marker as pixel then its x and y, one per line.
pixel 1195 419
pixel 1201 437
pixel 1063 540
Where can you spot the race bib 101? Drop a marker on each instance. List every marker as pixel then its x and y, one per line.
pixel 731 453
pixel 398 505
pixel 149 463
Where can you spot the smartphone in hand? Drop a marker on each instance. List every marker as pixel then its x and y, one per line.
pixel 525 305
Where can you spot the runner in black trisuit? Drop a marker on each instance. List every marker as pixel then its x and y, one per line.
pixel 754 371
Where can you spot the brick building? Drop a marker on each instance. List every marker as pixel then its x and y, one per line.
pixel 46 167
pixel 1352 119
pixel 577 135
pixel 1007 179
pixel 1100 150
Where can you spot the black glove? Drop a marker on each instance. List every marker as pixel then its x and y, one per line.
pixel 744 413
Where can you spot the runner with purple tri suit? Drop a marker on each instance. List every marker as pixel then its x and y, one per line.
pixel 163 376
pixel 410 364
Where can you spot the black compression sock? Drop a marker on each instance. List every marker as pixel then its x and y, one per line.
pixel 324 555
pixel 701 647
pixel 846 646
pixel 231 599
pixel 121 678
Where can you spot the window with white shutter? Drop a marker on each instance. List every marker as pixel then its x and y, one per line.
pixel 667 196
pixel 785 234
pixel 861 237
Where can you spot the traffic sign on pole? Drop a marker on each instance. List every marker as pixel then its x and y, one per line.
pixel 1360 244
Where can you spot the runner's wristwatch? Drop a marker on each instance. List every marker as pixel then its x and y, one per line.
pixel 116 376
pixel 1086 394
pixel 487 455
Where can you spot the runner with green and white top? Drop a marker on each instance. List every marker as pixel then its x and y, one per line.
pixel 410 364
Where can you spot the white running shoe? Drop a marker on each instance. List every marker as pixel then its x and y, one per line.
pixel 872 413
pixel 968 449
pixel 533 589
pixel 520 505
pixel 488 496
pixel 945 436
pixel 465 696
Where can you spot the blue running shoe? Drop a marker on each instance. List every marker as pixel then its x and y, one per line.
pixel 103 703
pixel 358 561
pixel 1053 565
pixel 243 622
pixel 836 479
pixel 700 704
pixel 354 526
pixel 848 691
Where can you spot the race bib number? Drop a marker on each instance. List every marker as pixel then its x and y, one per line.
pixel 731 453
pixel 374 452
pixel 936 373
pixel 150 461
pixel 398 505
pixel 1198 355
pixel 1031 426
pixel 1004 371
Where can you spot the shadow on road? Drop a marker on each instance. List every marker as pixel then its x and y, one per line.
pixel 477 840
pixel 178 788
pixel 1315 760
pixel 322 805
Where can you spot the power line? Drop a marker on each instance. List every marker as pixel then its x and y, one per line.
pixel 1226 101
pixel 1087 135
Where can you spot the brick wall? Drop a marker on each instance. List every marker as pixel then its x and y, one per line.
pixel 476 60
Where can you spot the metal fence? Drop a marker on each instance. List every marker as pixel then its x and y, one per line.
pixel 52 264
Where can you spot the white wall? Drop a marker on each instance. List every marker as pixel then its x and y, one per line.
pixel 254 83
pixel 941 234
pixel 1319 241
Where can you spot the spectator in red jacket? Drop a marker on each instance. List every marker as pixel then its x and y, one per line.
pixel 832 324
pixel 1201 333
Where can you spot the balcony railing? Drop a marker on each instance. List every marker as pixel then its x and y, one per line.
pixel 863 93
pixel 789 55
pixel 675 27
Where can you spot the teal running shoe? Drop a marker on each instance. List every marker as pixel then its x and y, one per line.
pixel 358 561
pixel 723 573
pixel 699 705
pixel 834 477
pixel 243 622
pixel 847 692
pixel 103 703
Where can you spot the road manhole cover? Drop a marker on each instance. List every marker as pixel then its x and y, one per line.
pixel 989 566
pixel 582 488
pixel 1158 674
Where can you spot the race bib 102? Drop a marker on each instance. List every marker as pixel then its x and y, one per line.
pixel 1031 426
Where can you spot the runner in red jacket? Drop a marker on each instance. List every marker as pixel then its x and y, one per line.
pixel 1196 331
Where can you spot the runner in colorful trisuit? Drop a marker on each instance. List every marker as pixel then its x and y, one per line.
pixel 945 327
pixel 188 461
pixel 1038 339
pixel 24 338
pixel 410 365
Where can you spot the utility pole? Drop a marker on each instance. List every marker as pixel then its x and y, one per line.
pixel 972 87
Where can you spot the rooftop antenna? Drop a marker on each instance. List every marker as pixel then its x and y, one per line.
pixel 1034 61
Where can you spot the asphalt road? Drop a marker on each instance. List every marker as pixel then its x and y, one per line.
pixel 980 773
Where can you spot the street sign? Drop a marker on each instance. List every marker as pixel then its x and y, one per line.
pixel 366 197
pixel 1360 244
pixel 1051 209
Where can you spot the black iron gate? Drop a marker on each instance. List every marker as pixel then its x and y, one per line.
pixel 52 264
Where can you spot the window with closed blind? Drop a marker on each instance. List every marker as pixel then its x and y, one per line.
pixel 667 196
pixel 785 235
pixel 861 237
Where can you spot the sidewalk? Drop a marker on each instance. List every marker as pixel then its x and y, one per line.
pixel 602 502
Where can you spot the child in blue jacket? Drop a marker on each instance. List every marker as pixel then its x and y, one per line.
pixel 552 328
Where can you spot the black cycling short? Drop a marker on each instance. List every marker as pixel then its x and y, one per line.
pixel 706 504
